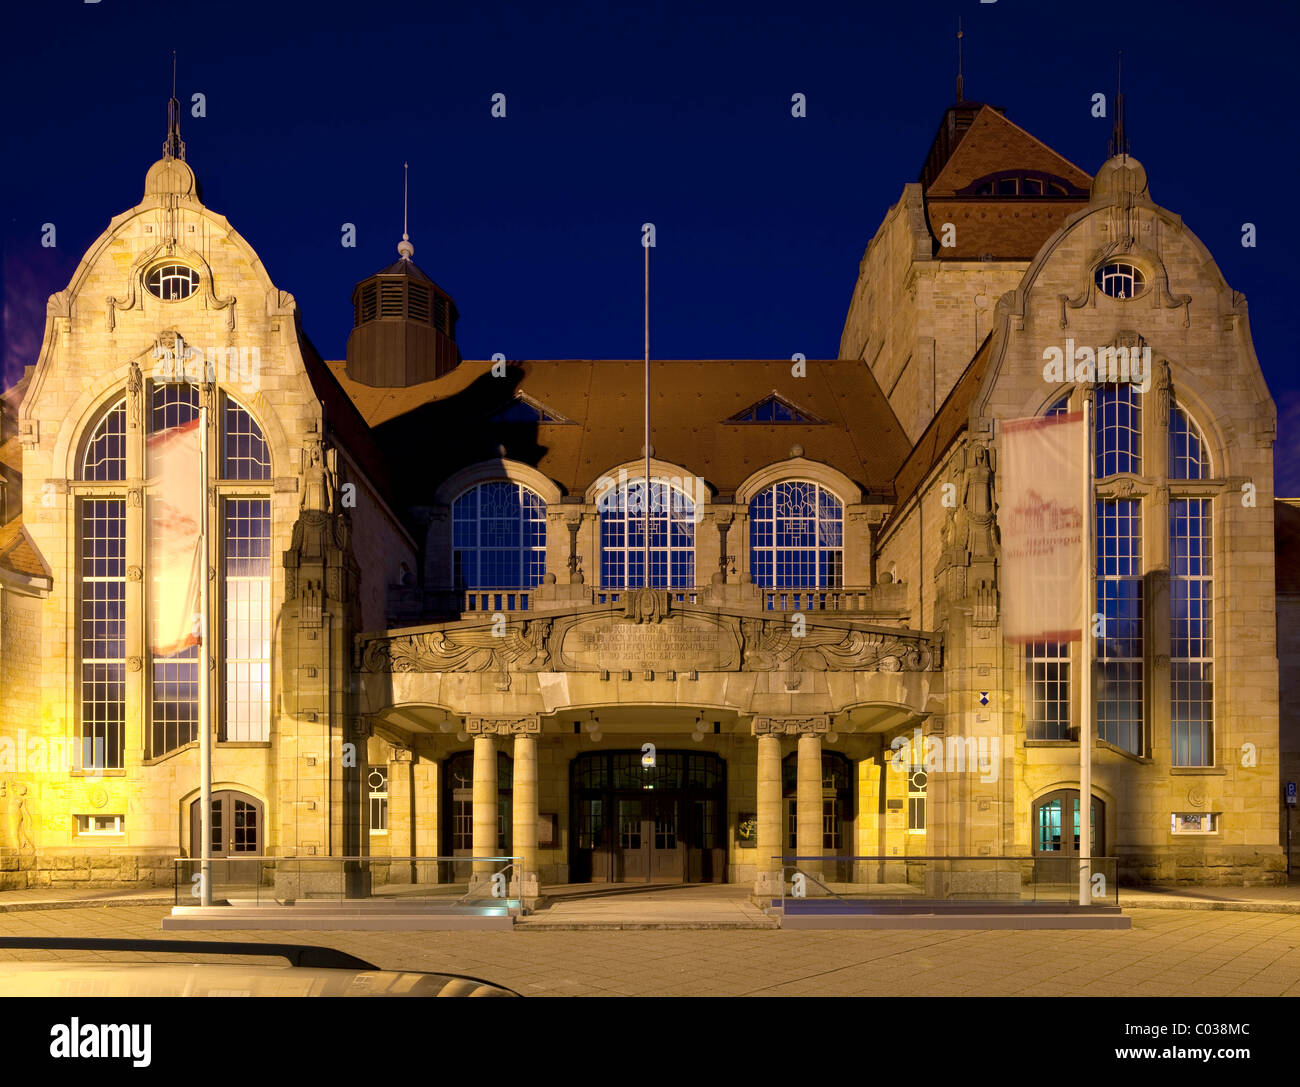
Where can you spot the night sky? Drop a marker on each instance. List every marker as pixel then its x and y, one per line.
pixel 618 115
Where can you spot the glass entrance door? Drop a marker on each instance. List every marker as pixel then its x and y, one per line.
pixel 632 849
pixel 237 832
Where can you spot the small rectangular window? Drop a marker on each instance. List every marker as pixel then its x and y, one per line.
pixel 1007 186
pixel 1033 186
pixel 100 824
pixel 1194 822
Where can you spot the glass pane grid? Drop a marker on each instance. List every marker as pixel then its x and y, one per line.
pixel 1191 642
pixel 622 537
pixel 247 589
pixel 499 537
pixel 105 457
pixel 796 537
pixel 244 451
pixel 102 632
pixel 1119 600
pixel 1118 430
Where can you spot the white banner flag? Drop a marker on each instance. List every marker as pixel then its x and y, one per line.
pixel 175 559
pixel 1041 519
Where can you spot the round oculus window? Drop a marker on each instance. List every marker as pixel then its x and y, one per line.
pixel 1120 279
pixel 171 282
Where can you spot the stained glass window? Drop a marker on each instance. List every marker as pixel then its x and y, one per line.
pixel 622 537
pixel 796 533
pixel 498 537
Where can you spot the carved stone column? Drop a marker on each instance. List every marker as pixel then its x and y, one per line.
pixel 525 731
pixel 768 845
pixel 808 799
pixel 808 804
pixel 527 883
pixel 485 806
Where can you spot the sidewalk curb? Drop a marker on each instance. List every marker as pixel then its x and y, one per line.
pixel 1126 903
pixel 84 903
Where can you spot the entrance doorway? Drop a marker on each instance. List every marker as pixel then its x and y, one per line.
pixel 1056 852
pixel 238 830
pixel 634 822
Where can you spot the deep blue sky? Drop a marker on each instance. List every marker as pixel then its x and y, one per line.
pixel 618 116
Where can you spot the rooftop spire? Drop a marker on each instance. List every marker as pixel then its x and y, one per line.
pixel 961 94
pixel 173 145
pixel 404 247
pixel 1118 140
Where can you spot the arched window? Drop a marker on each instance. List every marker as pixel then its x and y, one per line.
pixel 622 537
pixel 240 540
pixel 1050 817
pixel 498 533
pixel 105 456
pixel 796 537
pixel 1187 456
pixel 244 454
pixel 101 543
pixel 1119 651
pixel 1118 435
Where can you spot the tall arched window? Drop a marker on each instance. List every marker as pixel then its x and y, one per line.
pixel 622 537
pixel 498 533
pixel 1122 650
pixel 240 538
pixel 796 537
pixel 101 536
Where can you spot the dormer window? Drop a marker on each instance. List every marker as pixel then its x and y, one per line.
pixel 171 282
pixel 1120 279
pixel 1021 183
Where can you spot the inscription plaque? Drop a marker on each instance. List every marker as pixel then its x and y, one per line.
pixel 671 645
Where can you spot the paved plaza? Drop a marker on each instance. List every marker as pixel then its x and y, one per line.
pixel 1168 952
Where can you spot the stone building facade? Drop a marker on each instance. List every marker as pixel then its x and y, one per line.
pixel 465 659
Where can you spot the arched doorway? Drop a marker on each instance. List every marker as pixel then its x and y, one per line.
pixel 456 820
pixel 837 810
pixel 633 821
pixel 238 830
pixel 1055 851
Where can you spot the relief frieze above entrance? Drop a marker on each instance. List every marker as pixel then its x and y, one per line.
pixel 647 635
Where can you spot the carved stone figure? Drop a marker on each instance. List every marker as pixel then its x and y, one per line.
pixel 977 500
pixel 319 483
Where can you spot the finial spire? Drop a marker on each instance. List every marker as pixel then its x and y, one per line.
pixel 961 94
pixel 173 145
pixel 404 247
pixel 1118 139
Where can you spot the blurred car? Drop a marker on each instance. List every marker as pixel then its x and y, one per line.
pixel 311 971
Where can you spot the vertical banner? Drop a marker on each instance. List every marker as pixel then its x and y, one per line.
pixel 1041 518
pixel 175 560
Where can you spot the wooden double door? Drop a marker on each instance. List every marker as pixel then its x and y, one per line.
pixel 649 838
pixel 637 821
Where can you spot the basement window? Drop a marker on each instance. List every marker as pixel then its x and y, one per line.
pixel 1196 822
pixel 100 824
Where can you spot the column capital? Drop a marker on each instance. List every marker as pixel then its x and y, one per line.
pixel 528 725
pixel 791 726
pixel 400 754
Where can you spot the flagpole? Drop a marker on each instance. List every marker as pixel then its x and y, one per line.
pixel 1086 728
pixel 205 693
pixel 646 512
